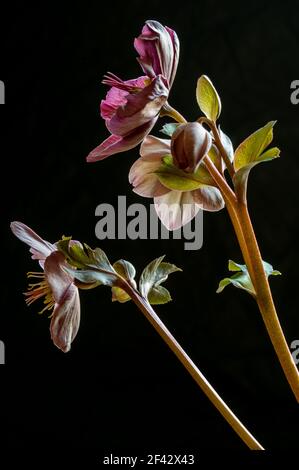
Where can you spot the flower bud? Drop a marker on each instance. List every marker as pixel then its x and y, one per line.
pixel 189 144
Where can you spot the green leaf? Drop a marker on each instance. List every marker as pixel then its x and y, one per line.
pixel 158 295
pixel 241 176
pixel 127 271
pixel 241 278
pixel 90 276
pixel 152 276
pixel 208 98
pixel 178 180
pixel 169 128
pixel 252 148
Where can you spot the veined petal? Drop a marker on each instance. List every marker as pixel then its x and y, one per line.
pixel 39 248
pixel 66 320
pixel 142 176
pixel 140 108
pixel 58 280
pixel 116 144
pixel 154 148
pixel 176 209
pixel 209 198
pixel 117 95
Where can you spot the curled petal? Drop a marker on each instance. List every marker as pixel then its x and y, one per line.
pixel 116 144
pixel 117 95
pixel 58 280
pixel 209 198
pixel 66 319
pixel 158 48
pixel 140 108
pixel 142 176
pixel 154 148
pixel 39 248
pixel 176 209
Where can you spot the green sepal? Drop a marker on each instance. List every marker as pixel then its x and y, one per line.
pixel 169 128
pixel 241 278
pixel 153 275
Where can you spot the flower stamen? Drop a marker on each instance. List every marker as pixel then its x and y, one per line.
pixel 39 289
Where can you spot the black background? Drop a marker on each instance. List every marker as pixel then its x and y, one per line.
pixel 120 389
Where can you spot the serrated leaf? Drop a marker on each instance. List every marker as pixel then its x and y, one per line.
pixel 153 275
pixel 169 128
pixel 252 148
pixel 90 276
pixel 178 180
pixel 241 176
pixel 158 295
pixel 208 98
pixel 241 278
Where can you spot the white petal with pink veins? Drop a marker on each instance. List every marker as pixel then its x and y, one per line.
pixel 154 148
pixel 176 209
pixel 39 248
pixel 210 198
pixel 142 176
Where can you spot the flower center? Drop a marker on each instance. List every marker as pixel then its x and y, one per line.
pixel 114 81
pixel 39 289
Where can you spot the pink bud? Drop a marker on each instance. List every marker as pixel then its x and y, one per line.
pixel 189 144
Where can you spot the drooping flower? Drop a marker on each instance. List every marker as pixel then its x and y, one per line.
pixel 158 48
pixel 131 108
pixel 178 194
pixel 54 285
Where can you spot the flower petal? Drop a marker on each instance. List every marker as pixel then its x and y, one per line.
pixel 154 148
pixel 209 198
pixel 158 47
pixel 116 144
pixel 39 248
pixel 176 209
pixel 58 280
pixel 66 320
pixel 140 108
pixel 146 183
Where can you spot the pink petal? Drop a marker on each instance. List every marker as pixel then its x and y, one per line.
pixel 154 148
pixel 144 180
pixel 39 248
pixel 209 198
pixel 140 108
pixel 176 209
pixel 117 95
pixel 114 98
pixel 58 280
pixel 66 320
pixel 116 144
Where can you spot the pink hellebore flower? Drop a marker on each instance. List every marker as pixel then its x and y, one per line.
pixel 54 285
pixel 159 49
pixel 131 108
pixel 174 207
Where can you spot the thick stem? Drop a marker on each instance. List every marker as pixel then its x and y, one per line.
pixel 265 301
pixel 199 378
pixel 238 212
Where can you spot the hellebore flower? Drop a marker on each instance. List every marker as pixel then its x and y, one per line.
pixel 159 48
pixel 178 194
pixel 55 285
pixel 131 108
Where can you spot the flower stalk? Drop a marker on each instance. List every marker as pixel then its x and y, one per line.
pixel 193 370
